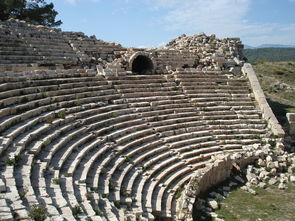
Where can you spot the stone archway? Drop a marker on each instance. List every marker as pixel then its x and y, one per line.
pixel 141 63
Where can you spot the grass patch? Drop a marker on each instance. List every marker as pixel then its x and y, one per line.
pixel 76 210
pixel 268 204
pixel 56 181
pixel 98 212
pixel 38 213
pixel 179 191
pixel 277 80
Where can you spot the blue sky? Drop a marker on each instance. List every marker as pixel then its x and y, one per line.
pixel 151 23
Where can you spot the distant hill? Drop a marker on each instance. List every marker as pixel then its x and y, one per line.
pixel 270 54
pixel 269 46
pixel 249 47
pixel 275 46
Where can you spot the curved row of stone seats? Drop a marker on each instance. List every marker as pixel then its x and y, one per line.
pixel 109 147
pixel 120 84
pixel 54 161
pixel 29 129
pixel 221 91
pixel 22 43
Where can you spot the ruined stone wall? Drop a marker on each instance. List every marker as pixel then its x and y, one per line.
pixel 268 115
pixel 23 43
pixel 93 50
pixel 204 53
pixel 171 59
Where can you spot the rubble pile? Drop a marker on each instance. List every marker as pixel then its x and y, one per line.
pixel 213 53
pixel 273 167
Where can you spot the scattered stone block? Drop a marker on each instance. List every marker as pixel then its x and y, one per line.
pixel 262 185
pixel 272 181
pixel 2 186
pixel 213 204
pixel 282 186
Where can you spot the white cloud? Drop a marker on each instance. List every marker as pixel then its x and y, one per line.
pixel 226 18
pixel 276 34
pixel 291 0
pixel 72 2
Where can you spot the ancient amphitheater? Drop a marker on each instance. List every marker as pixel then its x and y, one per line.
pixel 96 131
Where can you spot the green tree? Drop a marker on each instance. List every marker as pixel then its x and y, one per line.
pixel 33 11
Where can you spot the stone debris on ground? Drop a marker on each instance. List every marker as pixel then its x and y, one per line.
pixel 274 167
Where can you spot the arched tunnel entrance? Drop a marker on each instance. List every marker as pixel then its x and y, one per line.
pixel 142 65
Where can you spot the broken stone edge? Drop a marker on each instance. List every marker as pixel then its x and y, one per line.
pixel 267 113
pixel 215 172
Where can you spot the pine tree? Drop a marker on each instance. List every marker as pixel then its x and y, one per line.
pixel 33 11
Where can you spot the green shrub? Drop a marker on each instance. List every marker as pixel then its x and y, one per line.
pixel 255 137
pixel 37 154
pixel 23 194
pixel 67 175
pixel 89 196
pixel 38 213
pixel 272 143
pixel 127 159
pixel 56 181
pixel 9 162
pixel 124 191
pixel 45 144
pixel 14 161
pixel 76 210
pixel 61 114
pixel 98 212
pixel 77 103
pixel 112 184
pixel 268 169
pixel 179 191
pixel 117 204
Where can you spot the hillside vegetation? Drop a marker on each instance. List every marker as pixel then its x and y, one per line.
pixel 277 79
pixel 275 69
pixel 270 54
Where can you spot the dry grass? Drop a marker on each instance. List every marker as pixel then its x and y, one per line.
pixel 278 82
pixel 270 204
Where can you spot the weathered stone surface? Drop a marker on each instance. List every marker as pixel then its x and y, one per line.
pixel 282 186
pixel 262 185
pixel 292 179
pixel 213 204
pixel 272 181
pixel 2 186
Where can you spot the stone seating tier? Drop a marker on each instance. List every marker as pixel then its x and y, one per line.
pixel 128 141
pixel 22 43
